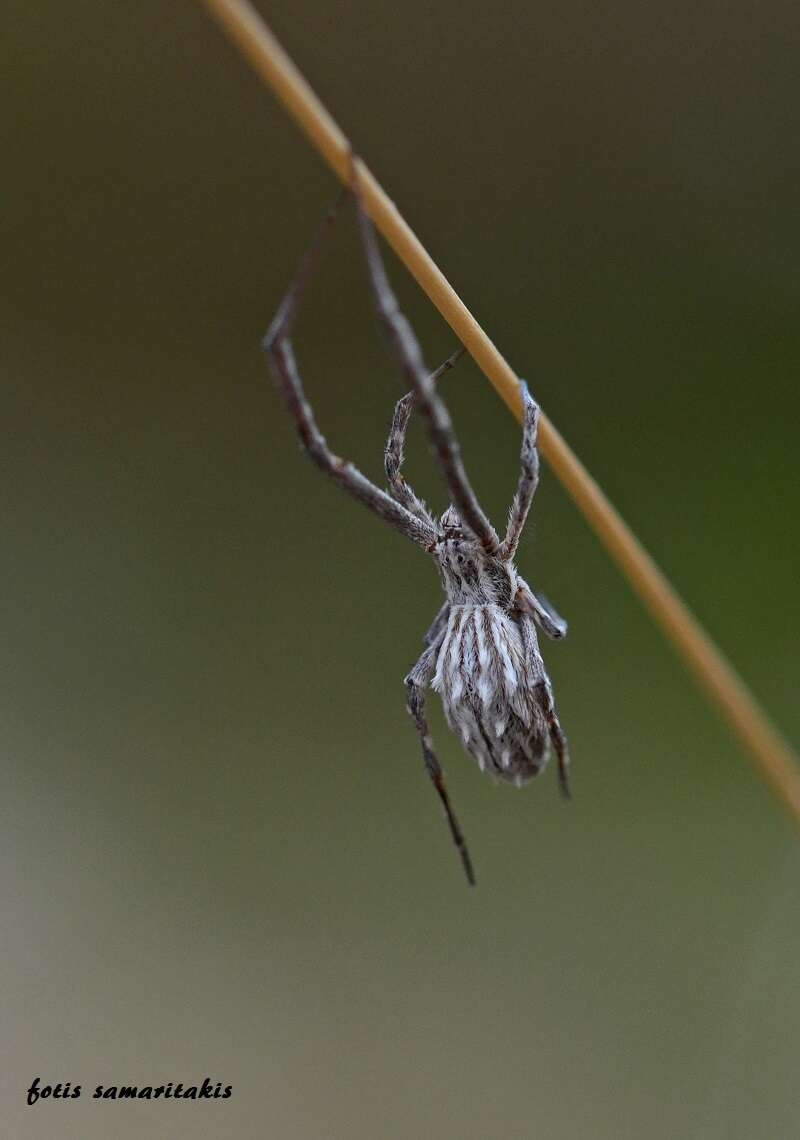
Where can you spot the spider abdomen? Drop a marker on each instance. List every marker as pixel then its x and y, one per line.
pixel 489 686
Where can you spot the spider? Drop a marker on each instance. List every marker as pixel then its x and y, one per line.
pixel 481 652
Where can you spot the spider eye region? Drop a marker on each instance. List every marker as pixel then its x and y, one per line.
pixel 451 521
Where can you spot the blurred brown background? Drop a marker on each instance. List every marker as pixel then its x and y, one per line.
pixel 219 854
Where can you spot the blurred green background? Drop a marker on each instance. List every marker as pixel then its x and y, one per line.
pixel 219 854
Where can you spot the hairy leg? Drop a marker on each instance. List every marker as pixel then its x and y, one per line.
pixel 416 682
pixel 395 445
pixel 528 475
pixel 278 346
pixel 440 427
pixel 543 695
pixel 438 625
pixel 557 736
pixel 541 610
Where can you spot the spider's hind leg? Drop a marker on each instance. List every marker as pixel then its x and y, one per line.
pixel 438 626
pixel 557 735
pixel 416 682
pixel 543 696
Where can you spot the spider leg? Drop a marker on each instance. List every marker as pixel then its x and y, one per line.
pixel 541 610
pixel 440 426
pixel 528 475
pixel 543 691
pixel 395 445
pixel 416 683
pixel 278 347
pixel 438 625
pixel 557 735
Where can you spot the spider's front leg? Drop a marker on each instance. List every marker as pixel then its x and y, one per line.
pixel 432 407
pixel 280 352
pixel 394 454
pixel 526 600
pixel 528 475
pixel 416 683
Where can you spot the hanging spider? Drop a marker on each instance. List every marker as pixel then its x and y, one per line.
pixel 481 653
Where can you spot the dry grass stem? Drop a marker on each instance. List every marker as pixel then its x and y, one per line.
pixel 768 751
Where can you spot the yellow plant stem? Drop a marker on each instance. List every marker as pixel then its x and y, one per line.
pixel 769 752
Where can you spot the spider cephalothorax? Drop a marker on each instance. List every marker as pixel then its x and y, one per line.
pixel 481 653
pixel 471 575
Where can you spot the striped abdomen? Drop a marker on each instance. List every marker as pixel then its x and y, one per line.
pixel 488 685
